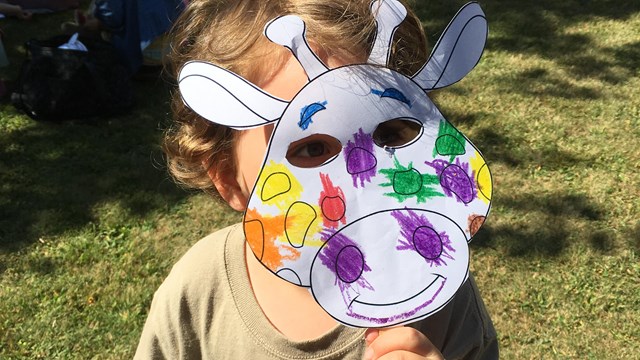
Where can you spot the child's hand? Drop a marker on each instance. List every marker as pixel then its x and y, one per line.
pixel 399 343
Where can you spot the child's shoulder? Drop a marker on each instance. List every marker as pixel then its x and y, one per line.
pixel 202 267
pixel 182 307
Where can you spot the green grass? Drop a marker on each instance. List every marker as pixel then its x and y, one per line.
pixel 90 223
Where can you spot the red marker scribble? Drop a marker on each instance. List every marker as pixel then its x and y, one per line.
pixel 332 203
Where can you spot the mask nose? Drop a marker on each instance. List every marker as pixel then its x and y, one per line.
pixel 394 261
pixel 388 245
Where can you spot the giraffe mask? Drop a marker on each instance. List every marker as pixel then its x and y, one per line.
pixel 378 229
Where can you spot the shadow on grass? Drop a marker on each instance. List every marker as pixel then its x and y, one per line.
pixel 548 220
pixel 541 84
pixel 546 228
pixel 634 236
pixel 540 28
pixel 55 176
pixel 507 149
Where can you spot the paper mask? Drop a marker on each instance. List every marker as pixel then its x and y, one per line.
pixel 378 230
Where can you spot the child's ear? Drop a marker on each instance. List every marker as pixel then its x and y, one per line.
pixel 228 188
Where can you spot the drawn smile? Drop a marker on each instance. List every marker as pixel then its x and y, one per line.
pixel 438 276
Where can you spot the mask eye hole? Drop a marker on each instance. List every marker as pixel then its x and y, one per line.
pixel 397 133
pixel 313 151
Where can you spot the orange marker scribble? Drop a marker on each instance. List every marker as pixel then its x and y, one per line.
pixel 332 203
pixel 262 233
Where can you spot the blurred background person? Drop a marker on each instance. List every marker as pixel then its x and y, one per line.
pixel 39 6
pixel 131 25
pixel 8 9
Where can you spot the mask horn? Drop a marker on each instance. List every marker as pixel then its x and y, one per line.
pixel 389 14
pixel 290 32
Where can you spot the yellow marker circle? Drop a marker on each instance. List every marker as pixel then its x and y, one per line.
pixel 484 181
pixel 274 185
pixel 298 221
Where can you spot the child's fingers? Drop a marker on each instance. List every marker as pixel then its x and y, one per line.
pixel 399 339
pixel 370 335
pixel 404 355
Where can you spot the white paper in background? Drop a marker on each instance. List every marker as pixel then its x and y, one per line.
pixel 74 44
pixel 378 234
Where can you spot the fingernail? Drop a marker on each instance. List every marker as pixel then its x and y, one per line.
pixel 371 335
pixel 368 354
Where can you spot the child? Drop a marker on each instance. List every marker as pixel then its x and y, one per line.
pixel 219 301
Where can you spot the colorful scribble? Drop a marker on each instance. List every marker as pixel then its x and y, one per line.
pixel 392 93
pixel 265 235
pixel 450 141
pixel 455 179
pixel 345 259
pixel 407 182
pixel 277 186
pixel 420 236
pixel 474 222
pixel 307 112
pixel 482 176
pixel 301 223
pixel 361 163
pixel 332 203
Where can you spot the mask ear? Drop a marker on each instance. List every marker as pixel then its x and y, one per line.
pixel 226 98
pixel 457 51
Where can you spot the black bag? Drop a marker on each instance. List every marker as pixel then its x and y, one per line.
pixel 57 84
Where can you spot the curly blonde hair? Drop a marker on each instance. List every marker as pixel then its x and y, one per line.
pixel 230 34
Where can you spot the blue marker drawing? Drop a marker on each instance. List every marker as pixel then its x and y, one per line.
pixel 307 112
pixel 392 93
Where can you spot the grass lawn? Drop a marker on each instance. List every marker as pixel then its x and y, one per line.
pixel 90 222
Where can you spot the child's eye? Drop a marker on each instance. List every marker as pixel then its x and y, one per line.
pixel 313 151
pixel 396 132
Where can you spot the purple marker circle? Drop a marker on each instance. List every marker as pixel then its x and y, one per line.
pixel 360 160
pixel 456 180
pixel 349 264
pixel 427 242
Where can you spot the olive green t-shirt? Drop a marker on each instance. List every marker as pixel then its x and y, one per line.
pixel 205 309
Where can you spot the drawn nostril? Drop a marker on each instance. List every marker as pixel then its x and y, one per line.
pixel 349 264
pixel 427 242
